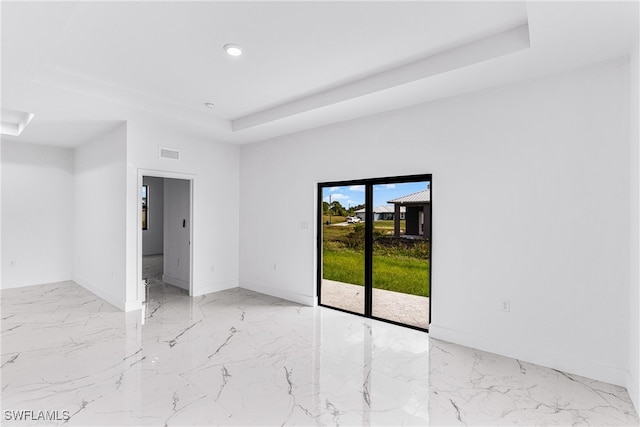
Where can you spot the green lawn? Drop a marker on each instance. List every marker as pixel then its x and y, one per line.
pixel 398 265
pixel 409 275
pixel 334 218
pixel 388 225
pixel 336 233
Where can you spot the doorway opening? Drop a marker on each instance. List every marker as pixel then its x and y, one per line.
pixel 165 234
pixel 374 250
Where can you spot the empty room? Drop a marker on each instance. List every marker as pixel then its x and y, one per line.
pixel 264 213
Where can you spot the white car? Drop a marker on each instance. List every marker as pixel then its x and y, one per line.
pixel 353 219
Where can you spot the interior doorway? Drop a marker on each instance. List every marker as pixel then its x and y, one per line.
pixel 374 253
pixel 165 232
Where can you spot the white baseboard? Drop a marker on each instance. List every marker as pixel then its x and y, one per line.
pixel 217 287
pixel 105 295
pixel 24 285
pixel 279 293
pixel 175 281
pixel 543 357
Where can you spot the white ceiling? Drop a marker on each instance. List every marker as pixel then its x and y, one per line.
pixel 306 64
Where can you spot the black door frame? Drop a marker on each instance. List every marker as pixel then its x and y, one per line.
pixel 369 183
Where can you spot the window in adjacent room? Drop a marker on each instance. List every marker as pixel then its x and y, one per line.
pixel 145 207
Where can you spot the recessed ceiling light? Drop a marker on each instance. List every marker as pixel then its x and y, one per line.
pixel 233 49
pixel 209 105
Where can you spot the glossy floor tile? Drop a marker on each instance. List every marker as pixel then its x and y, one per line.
pixel 240 358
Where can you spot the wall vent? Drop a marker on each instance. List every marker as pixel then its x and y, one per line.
pixel 169 153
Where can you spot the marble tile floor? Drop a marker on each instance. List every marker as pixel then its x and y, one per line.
pixel 241 358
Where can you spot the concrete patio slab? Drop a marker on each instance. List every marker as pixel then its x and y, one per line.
pixel 404 308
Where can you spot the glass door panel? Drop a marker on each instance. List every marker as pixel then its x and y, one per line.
pixel 401 252
pixel 343 249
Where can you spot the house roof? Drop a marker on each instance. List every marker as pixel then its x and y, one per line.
pixel 419 197
pixel 381 209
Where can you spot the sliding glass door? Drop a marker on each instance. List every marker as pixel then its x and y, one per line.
pixel 375 248
pixel 342 263
pixel 401 250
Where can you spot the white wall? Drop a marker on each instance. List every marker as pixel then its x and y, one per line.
pixel 1 216
pixel 99 216
pixel 153 236
pixel 633 383
pixel 530 202
pixel 214 167
pixel 177 230
pixel 37 210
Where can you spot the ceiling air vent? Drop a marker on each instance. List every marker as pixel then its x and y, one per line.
pixel 169 153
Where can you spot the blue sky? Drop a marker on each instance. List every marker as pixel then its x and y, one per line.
pixel 354 195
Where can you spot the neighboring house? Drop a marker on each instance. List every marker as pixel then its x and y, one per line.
pixel 418 213
pixel 380 213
